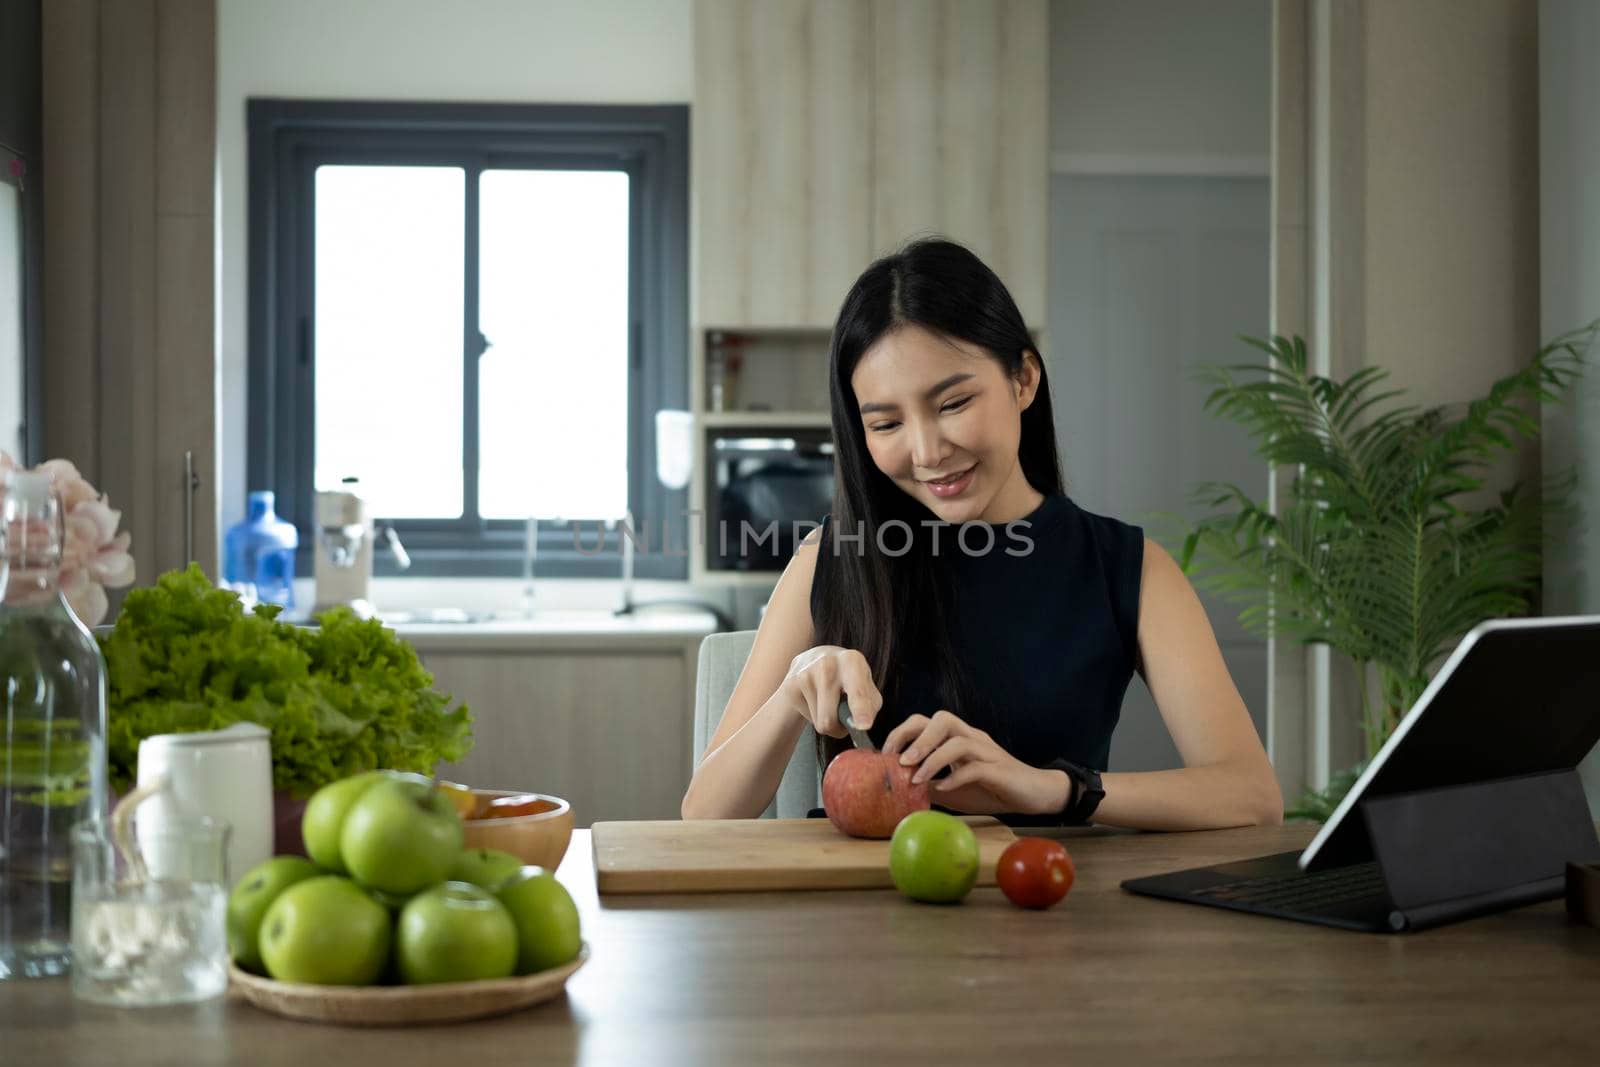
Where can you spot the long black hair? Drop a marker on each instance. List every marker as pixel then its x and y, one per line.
pixel 888 606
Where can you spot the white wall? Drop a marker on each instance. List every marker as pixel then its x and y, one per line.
pixel 1569 198
pixel 1161 79
pixel 1160 128
pixel 520 51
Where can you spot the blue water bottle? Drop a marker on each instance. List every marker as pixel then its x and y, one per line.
pixel 258 554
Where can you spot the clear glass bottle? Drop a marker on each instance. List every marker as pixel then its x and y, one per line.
pixel 52 732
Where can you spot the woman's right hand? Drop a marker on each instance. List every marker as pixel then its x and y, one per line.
pixel 819 676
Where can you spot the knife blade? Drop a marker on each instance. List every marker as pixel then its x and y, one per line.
pixel 858 736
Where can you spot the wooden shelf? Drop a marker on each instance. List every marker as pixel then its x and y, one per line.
pixel 808 420
pixel 800 332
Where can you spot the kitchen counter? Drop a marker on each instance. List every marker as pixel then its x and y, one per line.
pixel 840 977
pixel 561 695
pixel 559 629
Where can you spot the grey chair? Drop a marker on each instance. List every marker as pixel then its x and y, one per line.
pixel 722 658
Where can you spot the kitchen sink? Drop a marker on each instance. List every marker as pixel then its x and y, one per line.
pixel 502 618
pixel 548 620
pixel 437 617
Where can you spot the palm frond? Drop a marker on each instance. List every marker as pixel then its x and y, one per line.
pixel 1373 548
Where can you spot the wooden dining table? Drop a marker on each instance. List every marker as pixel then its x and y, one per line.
pixel 867 976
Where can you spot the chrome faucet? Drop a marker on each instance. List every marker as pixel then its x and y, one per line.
pixel 627 533
pixel 402 558
pixel 530 551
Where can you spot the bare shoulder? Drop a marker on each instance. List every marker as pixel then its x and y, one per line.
pixel 801 569
pixel 805 556
pixel 786 624
pixel 785 631
pixel 1159 564
pixel 1171 615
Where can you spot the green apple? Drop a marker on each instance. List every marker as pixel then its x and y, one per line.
pixel 485 867
pixel 325 931
pixel 400 836
pixel 455 932
pixel 548 933
pixel 393 901
pixel 933 857
pixel 249 901
pixel 324 817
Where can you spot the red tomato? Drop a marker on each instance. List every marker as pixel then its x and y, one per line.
pixel 1034 872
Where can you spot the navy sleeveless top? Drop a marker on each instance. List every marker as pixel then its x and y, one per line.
pixel 1048 636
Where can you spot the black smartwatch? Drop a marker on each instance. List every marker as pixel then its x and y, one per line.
pixel 1086 792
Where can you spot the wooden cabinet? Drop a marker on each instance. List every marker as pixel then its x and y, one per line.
pixel 960 132
pixel 782 114
pixel 127 290
pixel 830 131
pixel 606 725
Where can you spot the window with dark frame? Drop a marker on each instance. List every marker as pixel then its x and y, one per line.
pixel 18 370
pixel 476 310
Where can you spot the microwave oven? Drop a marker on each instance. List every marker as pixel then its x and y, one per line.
pixel 761 484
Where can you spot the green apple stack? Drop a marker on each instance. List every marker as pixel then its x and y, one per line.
pixel 390 894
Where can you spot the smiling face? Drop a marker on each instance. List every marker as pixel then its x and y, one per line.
pixel 943 419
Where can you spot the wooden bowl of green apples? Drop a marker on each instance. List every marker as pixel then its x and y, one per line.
pixel 392 918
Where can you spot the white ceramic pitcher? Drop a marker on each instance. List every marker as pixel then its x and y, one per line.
pixel 225 774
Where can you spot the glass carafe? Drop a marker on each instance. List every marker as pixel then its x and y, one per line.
pixel 52 731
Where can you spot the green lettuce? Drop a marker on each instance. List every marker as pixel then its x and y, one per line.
pixel 339 698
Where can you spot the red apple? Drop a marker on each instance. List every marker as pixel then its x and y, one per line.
pixel 866 794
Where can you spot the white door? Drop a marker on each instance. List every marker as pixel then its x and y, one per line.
pixel 1150 277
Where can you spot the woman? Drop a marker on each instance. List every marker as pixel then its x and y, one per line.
pixel 979 624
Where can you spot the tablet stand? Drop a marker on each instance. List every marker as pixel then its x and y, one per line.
pixel 1465 850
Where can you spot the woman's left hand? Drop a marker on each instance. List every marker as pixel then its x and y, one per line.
pixel 984 778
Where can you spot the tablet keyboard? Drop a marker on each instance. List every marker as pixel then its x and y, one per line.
pixel 1301 890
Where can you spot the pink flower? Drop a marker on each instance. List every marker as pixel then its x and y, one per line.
pixel 93 555
pixel 70 485
pixel 112 565
pixel 86 597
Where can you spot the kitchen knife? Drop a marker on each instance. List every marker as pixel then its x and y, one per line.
pixel 857 735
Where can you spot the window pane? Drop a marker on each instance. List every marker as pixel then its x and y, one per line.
pixel 554 305
pixel 389 261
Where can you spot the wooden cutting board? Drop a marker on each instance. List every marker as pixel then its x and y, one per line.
pixel 733 855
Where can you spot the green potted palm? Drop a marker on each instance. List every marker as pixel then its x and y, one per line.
pixel 1387 545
